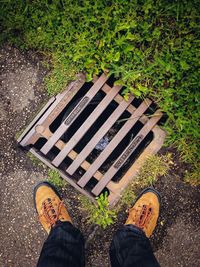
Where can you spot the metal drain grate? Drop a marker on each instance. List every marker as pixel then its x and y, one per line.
pixel 93 137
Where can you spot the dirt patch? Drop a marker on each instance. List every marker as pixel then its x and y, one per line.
pixel 176 238
pixel 177 241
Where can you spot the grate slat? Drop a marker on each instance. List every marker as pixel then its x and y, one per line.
pixel 114 142
pixel 86 125
pixel 74 114
pixel 127 152
pixel 72 154
pixel 99 134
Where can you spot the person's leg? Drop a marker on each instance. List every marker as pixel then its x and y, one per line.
pixel 64 246
pixel 130 246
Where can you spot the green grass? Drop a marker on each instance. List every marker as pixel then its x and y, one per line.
pixel 100 213
pixel 150 46
pixel 35 160
pixel 55 179
pixel 154 167
pixel 193 177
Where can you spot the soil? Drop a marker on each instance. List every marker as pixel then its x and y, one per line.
pixel 176 238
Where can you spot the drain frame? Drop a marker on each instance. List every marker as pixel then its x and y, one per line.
pixel 39 128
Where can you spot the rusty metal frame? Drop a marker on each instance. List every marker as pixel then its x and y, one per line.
pixel 40 128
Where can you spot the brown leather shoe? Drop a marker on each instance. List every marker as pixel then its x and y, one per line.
pixel 144 214
pixel 49 206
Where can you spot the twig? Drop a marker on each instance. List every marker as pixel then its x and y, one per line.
pixel 149 116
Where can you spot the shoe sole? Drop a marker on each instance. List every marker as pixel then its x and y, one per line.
pixel 46 184
pixel 152 190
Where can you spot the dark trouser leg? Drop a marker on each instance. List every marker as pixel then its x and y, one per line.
pixel 131 248
pixel 64 247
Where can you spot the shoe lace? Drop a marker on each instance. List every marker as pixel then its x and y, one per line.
pixel 143 215
pixel 50 213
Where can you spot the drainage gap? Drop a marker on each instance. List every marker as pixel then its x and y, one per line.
pixel 53 153
pixel 39 144
pixel 108 136
pixel 82 91
pixel 117 177
pixel 95 127
pixel 121 147
pixel 82 117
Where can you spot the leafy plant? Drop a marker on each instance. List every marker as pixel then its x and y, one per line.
pixel 150 46
pixel 99 213
pixel 56 180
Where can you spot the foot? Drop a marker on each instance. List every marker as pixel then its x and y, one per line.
pixel 49 206
pixel 144 214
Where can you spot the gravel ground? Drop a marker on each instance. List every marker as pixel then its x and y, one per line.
pixel 21 235
pixel 175 242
